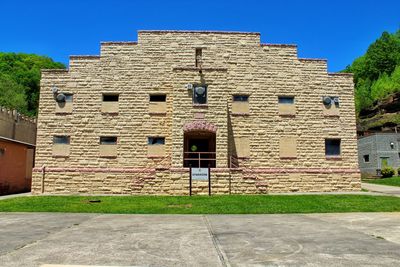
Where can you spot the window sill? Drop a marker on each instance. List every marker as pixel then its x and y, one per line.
pixel 157 113
pixel 237 114
pixel 108 157
pixel 331 116
pixel 333 157
pixel 244 158
pixel 63 112
pixel 288 158
pixel 200 105
pixel 287 115
pixel 110 113
pixel 155 156
pixel 60 156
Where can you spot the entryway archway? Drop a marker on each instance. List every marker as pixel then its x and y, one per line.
pixel 199 147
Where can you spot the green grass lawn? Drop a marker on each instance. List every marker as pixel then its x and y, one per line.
pixel 233 204
pixel 393 181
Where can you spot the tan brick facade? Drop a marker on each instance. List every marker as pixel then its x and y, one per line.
pixel 163 63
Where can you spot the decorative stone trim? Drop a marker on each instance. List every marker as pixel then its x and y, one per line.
pixel 94 170
pixel 199 126
pixel 301 170
pixel 245 170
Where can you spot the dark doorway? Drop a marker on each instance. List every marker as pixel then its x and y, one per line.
pixel 199 150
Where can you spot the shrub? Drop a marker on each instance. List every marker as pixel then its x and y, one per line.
pixel 398 171
pixel 387 172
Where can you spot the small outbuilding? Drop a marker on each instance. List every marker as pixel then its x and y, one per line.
pixel 378 151
pixel 16 161
pixel 17 150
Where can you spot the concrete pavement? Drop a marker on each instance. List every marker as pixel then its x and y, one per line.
pixel 348 239
pixel 16 195
pixel 383 189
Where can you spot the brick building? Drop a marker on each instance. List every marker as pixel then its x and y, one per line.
pixel 17 145
pixel 133 119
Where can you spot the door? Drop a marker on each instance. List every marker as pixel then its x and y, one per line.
pixel 199 150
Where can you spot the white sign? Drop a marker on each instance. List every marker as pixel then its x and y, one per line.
pixel 200 174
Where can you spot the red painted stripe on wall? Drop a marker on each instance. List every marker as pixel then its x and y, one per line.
pixel 183 170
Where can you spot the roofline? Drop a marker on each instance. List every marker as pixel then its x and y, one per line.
pixel 340 74
pixel 54 70
pixel 312 59
pixel 84 57
pixel 279 45
pixel 118 42
pixel 197 31
pixel 16 141
pixel 375 134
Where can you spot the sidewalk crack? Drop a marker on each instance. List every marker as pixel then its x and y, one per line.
pixel 221 254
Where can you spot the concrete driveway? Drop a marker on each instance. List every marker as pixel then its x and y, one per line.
pixel 50 239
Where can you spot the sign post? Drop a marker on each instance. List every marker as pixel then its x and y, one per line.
pixel 200 174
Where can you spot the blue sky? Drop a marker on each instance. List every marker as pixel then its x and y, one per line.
pixel 339 31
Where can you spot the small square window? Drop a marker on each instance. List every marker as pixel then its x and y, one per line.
pixel 200 94
pixel 366 158
pixel 286 99
pixel 156 140
pixel 108 140
pixel 158 98
pixel 332 147
pixel 68 97
pixel 110 97
pixel 61 140
pixel 2 151
pixel 241 98
pixel 391 145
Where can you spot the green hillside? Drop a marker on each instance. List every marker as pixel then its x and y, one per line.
pixel 377 72
pixel 20 78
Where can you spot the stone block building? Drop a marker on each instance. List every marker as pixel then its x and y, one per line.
pixel 134 119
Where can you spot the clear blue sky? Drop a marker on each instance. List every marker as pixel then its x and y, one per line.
pixel 337 30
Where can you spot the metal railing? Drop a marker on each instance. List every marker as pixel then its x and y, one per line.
pixel 199 159
pixel 233 162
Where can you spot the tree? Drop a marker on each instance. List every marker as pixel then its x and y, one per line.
pixel 12 94
pixel 382 56
pixel 377 73
pixel 20 80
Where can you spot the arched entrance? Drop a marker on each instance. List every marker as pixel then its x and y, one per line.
pixel 199 145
